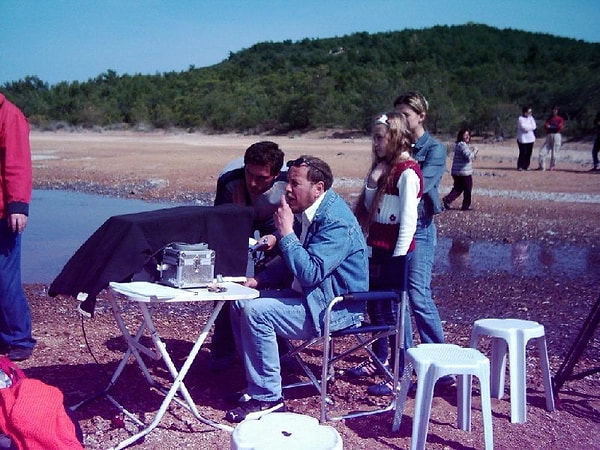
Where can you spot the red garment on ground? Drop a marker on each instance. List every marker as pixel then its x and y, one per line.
pixel 32 414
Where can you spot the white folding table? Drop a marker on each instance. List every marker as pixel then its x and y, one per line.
pixel 144 294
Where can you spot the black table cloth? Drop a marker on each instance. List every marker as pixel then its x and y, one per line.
pixel 126 247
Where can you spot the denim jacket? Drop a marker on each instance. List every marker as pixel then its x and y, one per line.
pixel 431 155
pixel 331 262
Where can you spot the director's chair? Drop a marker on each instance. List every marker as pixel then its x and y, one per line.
pixel 364 335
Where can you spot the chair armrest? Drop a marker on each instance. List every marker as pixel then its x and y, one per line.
pixel 372 296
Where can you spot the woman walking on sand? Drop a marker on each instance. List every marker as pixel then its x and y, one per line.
pixel 387 212
pixel 462 170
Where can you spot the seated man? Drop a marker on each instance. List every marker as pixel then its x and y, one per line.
pixel 256 184
pixel 327 258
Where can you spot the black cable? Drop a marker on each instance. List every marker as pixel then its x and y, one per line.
pixel 87 344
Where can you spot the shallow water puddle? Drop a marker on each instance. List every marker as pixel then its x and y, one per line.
pixel 523 258
pixel 61 221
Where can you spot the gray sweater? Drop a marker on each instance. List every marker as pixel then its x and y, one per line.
pixel 463 157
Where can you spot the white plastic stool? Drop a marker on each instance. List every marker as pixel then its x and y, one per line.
pixel 433 361
pixel 286 431
pixel 512 335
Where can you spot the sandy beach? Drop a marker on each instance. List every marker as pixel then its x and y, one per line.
pixel 190 162
pixel 549 210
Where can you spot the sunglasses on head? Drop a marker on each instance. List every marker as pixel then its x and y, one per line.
pixel 303 161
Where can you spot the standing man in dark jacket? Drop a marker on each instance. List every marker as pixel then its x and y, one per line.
pixel 16 184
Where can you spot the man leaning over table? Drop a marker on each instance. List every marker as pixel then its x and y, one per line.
pixel 258 184
pixel 327 258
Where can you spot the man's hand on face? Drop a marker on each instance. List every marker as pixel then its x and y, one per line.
pixel 284 218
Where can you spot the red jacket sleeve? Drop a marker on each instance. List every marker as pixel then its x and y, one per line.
pixel 16 176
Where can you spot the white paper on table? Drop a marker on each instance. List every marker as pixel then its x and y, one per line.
pixel 147 289
pixel 143 291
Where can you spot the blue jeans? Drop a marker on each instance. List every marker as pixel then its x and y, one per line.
pixel 15 317
pixel 425 312
pixel 256 324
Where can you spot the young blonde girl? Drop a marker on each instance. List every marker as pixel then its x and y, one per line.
pixel 387 212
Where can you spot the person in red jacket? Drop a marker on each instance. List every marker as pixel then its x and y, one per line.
pixel 16 183
pixel 553 126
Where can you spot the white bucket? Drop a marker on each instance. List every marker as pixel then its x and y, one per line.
pixel 286 431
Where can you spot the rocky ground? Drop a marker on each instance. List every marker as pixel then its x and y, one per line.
pixel 556 212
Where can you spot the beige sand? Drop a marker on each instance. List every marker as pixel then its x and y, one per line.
pixel 183 162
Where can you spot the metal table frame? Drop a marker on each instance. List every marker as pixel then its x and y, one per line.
pixel 141 294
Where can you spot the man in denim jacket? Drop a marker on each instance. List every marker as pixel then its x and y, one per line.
pixel 326 254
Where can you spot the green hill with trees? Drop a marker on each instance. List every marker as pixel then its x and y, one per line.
pixel 472 74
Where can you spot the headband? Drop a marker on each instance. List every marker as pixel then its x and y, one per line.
pixel 383 119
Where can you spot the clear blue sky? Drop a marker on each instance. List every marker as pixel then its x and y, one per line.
pixel 67 40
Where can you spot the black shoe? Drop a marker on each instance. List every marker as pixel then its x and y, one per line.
pixel 466 208
pixel 254 409
pixel 19 353
pixel 444 385
pixel 384 388
pixel 380 389
pixel 446 204
pixel 446 381
pixel 367 368
pixel 237 397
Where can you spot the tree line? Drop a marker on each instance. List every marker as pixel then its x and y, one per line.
pixel 472 75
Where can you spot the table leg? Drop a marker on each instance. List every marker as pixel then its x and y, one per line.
pixel 179 376
pixel 133 348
